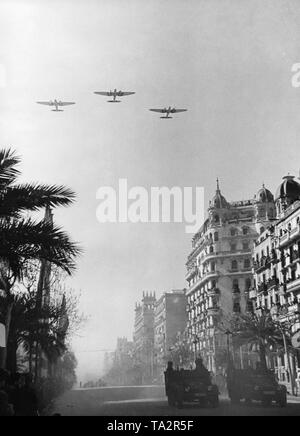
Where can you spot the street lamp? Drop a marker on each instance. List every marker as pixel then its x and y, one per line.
pixel 195 342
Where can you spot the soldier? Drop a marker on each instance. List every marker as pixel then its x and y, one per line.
pixel 201 371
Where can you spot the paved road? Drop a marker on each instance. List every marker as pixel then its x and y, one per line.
pixel 150 401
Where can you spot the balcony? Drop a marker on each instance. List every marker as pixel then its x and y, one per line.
pixel 253 294
pixel 191 273
pixel 293 285
pixel 262 288
pixel 264 263
pixel 289 236
pixel 213 311
pixel 213 292
pixel 294 309
pixel 201 280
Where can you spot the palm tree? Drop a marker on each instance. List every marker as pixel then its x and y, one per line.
pixel 255 330
pixel 22 239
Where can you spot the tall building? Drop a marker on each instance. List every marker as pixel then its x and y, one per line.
pixel 276 262
pixel 219 270
pixel 143 337
pixel 170 319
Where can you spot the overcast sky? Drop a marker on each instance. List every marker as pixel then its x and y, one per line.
pixel 228 61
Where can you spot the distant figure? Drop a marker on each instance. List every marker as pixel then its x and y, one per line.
pixel 201 371
pixel 170 367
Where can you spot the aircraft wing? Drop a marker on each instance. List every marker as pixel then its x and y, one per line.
pixel 47 103
pixel 175 111
pixel 106 94
pixel 123 94
pixel 65 103
pixel 161 111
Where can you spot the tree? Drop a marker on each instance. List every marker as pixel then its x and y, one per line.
pixel 257 330
pixel 21 238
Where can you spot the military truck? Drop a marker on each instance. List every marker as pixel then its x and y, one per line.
pixel 190 386
pixel 251 385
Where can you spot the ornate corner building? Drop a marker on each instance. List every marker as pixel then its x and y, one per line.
pixel 219 270
pixel 143 338
pixel 276 263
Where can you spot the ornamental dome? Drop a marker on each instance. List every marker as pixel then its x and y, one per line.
pixel 218 201
pixel 264 195
pixel 288 190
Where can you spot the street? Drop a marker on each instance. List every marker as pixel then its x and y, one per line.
pixel 150 401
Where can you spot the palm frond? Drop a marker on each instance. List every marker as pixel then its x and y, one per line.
pixel 23 240
pixel 8 171
pixel 32 197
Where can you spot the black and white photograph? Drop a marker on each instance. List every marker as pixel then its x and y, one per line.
pixel 149 210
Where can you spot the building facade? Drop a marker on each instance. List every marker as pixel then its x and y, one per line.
pixel 170 319
pixel 143 338
pixel 219 270
pixel 276 261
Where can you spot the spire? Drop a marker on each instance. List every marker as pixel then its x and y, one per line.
pixel 218 185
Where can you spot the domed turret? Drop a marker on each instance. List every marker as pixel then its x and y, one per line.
pixel 264 205
pixel 264 195
pixel 218 201
pixel 287 193
pixel 289 189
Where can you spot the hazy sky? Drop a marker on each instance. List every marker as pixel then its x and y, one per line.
pixel 228 61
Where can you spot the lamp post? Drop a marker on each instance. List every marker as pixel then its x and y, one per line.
pixel 195 342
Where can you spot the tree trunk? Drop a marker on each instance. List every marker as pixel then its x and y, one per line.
pixel 12 348
pixel 263 355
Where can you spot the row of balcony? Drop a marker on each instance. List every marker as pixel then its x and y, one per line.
pixel 289 236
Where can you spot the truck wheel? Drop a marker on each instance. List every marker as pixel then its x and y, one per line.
pixel 282 402
pixel 235 400
pixel 179 404
pixel 266 402
pixel 171 401
pixel 215 402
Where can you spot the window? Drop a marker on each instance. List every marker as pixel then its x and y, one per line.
pixel 234 265
pixel 245 246
pixel 232 247
pixel 262 229
pixel 211 249
pixel 245 230
pixel 247 263
pixel 233 232
pixel 235 285
pixel 217 219
pixel 247 284
pixel 236 307
pixel 216 236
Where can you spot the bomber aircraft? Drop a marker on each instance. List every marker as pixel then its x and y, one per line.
pixel 167 112
pixel 56 103
pixel 114 94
